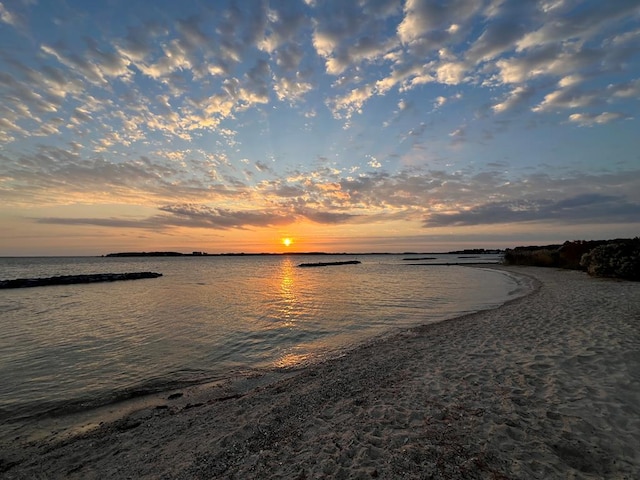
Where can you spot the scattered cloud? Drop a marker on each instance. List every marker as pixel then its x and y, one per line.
pixel 230 116
pixel 580 209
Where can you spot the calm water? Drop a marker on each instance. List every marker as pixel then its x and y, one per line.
pixel 207 318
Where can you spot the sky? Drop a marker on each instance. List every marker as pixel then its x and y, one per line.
pixel 345 126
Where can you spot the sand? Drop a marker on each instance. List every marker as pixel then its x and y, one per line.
pixel 546 386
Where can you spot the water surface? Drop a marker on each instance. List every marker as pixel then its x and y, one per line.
pixel 208 318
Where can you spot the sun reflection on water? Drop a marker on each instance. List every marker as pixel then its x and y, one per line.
pixel 292 360
pixel 289 305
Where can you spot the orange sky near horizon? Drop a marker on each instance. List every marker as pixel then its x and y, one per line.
pixel 306 237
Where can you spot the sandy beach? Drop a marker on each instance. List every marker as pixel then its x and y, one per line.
pixel 546 386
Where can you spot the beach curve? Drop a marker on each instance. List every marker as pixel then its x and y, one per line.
pixel 545 386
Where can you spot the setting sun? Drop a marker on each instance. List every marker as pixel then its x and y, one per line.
pixel 287 242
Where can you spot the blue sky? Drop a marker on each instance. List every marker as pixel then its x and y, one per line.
pixel 381 125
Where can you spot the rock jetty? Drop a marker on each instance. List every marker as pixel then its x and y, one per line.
pixel 71 279
pixel 327 264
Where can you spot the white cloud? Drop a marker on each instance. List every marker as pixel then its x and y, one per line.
pixel 546 61
pixel 451 73
pixel 566 98
pixel 373 162
pixel 424 17
pixel 459 135
pixel 7 17
pixel 206 79
pixel 346 36
pixel 626 90
pixel 77 64
pixel 282 27
pixel 292 90
pixel 417 20
pixel 584 24
pixel 497 38
pixel 175 57
pixel 570 81
pixel 324 42
pixel 400 75
pixel 624 38
pixel 110 64
pixel 590 119
pixel 346 105
pixel 515 98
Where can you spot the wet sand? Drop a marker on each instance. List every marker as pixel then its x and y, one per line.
pixel 546 386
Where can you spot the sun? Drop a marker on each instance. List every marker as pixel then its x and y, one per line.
pixel 287 241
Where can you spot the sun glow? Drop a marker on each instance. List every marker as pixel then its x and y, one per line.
pixel 287 242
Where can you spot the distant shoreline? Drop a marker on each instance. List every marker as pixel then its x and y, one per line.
pixel 243 254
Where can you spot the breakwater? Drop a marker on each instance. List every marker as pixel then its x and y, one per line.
pixel 72 279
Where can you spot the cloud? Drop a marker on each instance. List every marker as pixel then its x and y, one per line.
pixel 110 63
pixel 352 102
pixel 552 60
pixel 211 198
pixel 190 74
pixel 139 41
pixel 76 63
pixel 501 33
pixel 110 222
pixel 10 18
pixel 459 135
pixel 586 22
pixel 451 73
pixel 203 216
pixel 625 90
pixel 586 208
pixel 25 100
pixel 373 162
pixel 590 119
pixel 291 90
pixel 186 215
pixel 518 96
pixel 283 24
pixel 56 176
pixel 347 36
pixel 186 110
pixel 263 167
pixel 423 17
pixel 325 217
pixel 567 98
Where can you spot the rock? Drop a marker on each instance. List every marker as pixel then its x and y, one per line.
pixel 72 279
pixel 326 264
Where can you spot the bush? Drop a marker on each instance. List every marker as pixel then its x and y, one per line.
pixel 570 253
pixel 532 256
pixel 617 259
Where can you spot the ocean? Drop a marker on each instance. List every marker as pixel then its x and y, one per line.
pixel 69 348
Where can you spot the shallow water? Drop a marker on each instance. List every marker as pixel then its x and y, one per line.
pixel 72 347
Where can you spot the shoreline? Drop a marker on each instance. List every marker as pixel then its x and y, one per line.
pixel 58 420
pixel 544 386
